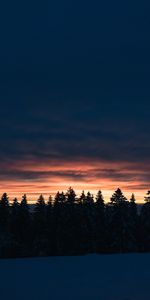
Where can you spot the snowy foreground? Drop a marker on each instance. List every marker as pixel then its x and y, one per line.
pixel 91 277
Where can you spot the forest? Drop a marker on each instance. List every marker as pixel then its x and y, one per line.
pixel 71 225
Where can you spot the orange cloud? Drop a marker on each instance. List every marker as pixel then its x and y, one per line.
pixel 48 177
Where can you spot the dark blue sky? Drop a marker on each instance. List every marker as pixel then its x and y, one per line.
pixel 75 86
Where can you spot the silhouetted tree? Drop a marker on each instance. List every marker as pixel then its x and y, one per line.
pixel 15 218
pixel 120 225
pixel 40 215
pixel 4 213
pixel 100 235
pixel 14 249
pixel 51 238
pixel 88 215
pixel 25 229
pixel 40 228
pixel 71 196
pixel 133 206
pixel 5 241
pixel 71 223
pixel 118 197
pixel 59 222
pixel 145 225
pixel 134 223
pixel 72 226
pixel 82 198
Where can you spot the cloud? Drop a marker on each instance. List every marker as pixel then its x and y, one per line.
pixel 53 175
pixel 75 107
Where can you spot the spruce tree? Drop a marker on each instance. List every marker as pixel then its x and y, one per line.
pixel 40 215
pixel 59 220
pixel 40 227
pixel 133 209
pixel 15 245
pixel 89 224
pixel 25 229
pixel 71 196
pixel 119 226
pixel 5 240
pixel 118 197
pixel 134 223
pixel 4 213
pixel 71 224
pixel 15 218
pixel 100 223
pixel 145 225
pixel 51 247
pixel 82 198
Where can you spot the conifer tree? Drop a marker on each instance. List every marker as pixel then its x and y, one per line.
pixel 59 221
pixel 4 213
pixel 60 199
pixel 100 200
pixel 14 248
pixel 120 223
pixel 15 218
pixel 40 215
pixel 88 215
pixel 51 247
pixel 71 225
pixel 71 196
pixel 118 197
pixel 100 235
pixel 133 207
pixel 50 202
pixel 40 227
pixel 24 211
pixel 134 223
pixel 145 225
pixel 82 198
pixel 25 229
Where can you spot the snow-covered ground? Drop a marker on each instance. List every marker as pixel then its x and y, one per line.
pixel 91 277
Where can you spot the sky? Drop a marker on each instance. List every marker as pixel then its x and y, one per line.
pixel 75 97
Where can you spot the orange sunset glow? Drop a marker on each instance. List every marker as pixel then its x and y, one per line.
pixel 34 178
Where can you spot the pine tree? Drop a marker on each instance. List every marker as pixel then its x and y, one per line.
pixel 118 197
pixel 59 222
pixel 14 248
pixel 88 216
pixel 119 231
pixel 24 204
pixel 70 224
pixel 15 218
pixel 24 213
pixel 134 223
pixel 133 207
pixel 145 225
pixel 4 213
pixel 60 199
pixel 71 196
pixel 82 198
pixel 40 227
pixel 89 199
pixel 15 204
pixel 40 211
pixel 51 247
pixel 50 201
pixel 100 200
pixel 100 223
pixel 25 228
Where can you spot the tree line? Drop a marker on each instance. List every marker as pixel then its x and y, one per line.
pixel 71 225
